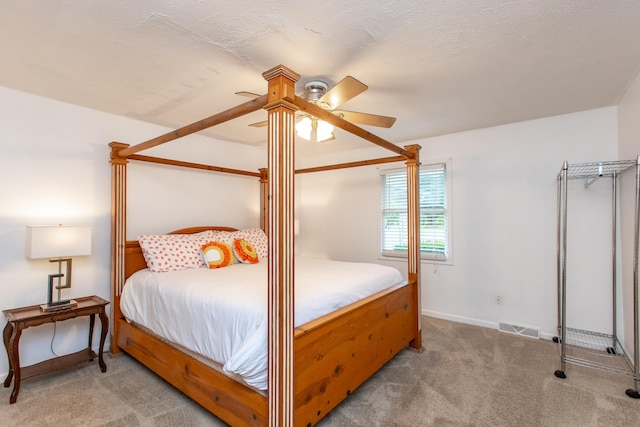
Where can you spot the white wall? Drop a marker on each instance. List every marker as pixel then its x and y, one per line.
pixel 504 219
pixel 54 168
pixel 629 143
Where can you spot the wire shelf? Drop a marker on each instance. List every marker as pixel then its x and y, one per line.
pixel 597 169
pixel 596 350
pixel 590 340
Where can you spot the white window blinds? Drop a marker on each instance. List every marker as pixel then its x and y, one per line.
pixel 433 212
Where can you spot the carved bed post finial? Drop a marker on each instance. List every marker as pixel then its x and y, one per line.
pixel 413 219
pixel 118 234
pixel 280 147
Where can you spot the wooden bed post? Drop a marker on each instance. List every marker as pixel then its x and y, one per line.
pixel 413 218
pixel 118 234
pixel 264 199
pixel 280 176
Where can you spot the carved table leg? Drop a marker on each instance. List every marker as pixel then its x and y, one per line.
pixel 14 361
pixel 8 330
pixel 104 321
pixel 92 321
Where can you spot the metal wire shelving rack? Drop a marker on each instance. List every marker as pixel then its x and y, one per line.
pixel 587 348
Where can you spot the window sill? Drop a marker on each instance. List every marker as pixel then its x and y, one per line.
pixel 403 259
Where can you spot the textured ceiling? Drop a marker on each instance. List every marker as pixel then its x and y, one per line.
pixel 438 66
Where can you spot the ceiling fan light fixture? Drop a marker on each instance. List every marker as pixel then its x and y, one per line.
pixel 324 131
pixel 304 128
pixel 309 128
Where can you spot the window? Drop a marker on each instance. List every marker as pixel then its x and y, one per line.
pixel 434 215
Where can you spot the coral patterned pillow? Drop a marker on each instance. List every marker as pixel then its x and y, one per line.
pixel 217 254
pixel 257 238
pixel 222 236
pixel 244 251
pixel 168 252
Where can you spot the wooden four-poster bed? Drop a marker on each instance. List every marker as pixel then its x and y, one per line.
pixel 312 367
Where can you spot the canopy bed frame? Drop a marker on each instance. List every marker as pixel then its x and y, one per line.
pixel 312 367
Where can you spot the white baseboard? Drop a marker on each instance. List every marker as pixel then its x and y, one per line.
pixel 475 322
pixel 547 335
pixel 460 319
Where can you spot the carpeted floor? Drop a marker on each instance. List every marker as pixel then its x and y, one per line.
pixel 467 376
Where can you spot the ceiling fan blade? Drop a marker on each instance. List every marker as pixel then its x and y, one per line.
pixel 343 91
pixel 365 118
pixel 248 94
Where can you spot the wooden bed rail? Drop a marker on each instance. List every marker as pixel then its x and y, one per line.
pixel 190 165
pixel 159 160
pixel 353 164
pixel 216 119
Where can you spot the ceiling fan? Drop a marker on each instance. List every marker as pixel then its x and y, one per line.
pixel 318 92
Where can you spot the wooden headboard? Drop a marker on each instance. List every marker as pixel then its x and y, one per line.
pixel 134 260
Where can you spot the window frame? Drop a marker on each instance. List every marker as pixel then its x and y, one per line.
pixel 424 256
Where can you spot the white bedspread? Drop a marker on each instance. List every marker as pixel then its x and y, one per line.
pixel 221 314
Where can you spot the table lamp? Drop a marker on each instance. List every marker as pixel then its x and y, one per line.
pixel 58 243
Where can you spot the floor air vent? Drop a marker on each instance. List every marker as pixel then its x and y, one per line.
pixel 525 331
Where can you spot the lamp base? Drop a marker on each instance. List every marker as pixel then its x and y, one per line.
pixel 58 306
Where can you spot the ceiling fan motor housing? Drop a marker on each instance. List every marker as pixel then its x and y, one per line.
pixel 314 90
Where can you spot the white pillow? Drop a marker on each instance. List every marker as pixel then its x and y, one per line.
pixel 166 252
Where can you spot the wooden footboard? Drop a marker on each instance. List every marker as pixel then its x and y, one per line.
pixel 230 400
pixel 334 355
pixel 338 352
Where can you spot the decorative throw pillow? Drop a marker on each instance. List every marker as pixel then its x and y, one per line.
pixel 217 254
pixel 257 238
pixel 244 251
pixel 166 252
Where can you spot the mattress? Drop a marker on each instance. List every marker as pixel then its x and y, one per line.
pixel 221 314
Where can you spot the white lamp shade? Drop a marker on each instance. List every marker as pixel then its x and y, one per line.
pixel 325 131
pixel 304 128
pixel 57 241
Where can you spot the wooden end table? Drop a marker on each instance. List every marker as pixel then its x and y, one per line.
pixel 19 319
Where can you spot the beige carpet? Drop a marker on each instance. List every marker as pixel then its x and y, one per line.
pixel 467 376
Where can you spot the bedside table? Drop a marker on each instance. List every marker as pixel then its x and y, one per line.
pixel 19 319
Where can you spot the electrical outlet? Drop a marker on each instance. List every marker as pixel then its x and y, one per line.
pixel 498 299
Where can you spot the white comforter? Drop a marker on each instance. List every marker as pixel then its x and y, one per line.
pixel 221 314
